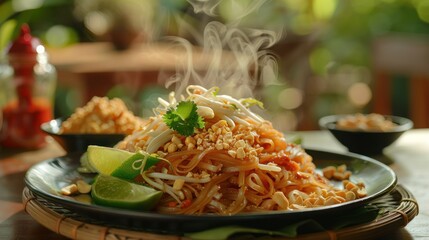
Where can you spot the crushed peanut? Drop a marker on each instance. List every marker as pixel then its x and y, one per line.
pixel 357 188
pixel 69 190
pixel 78 187
pixel 83 187
pixel 337 173
pixel 101 115
pixel 368 122
pixel 218 136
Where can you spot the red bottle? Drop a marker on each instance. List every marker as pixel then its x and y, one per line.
pixel 28 86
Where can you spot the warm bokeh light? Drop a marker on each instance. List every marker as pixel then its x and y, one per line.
pixel 285 121
pixel 359 94
pixel 97 22
pixel 60 36
pixel 22 5
pixel 6 30
pixel 290 98
pixel 423 10
pixel 324 9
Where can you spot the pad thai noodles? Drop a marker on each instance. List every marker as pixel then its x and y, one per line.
pixel 234 162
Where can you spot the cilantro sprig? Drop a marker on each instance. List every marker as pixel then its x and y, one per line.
pixel 184 118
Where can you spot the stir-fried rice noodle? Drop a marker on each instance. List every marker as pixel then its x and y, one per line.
pixel 237 163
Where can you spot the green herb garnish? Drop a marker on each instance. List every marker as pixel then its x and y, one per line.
pixel 216 91
pixel 233 106
pixel 184 118
pixel 248 102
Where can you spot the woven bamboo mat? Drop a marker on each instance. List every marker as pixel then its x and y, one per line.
pixel 398 208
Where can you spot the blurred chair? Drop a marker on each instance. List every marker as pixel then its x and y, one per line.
pixel 407 56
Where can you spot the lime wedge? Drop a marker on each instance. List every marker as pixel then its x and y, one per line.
pixel 131 167
pixel 114 192
pixel 105 159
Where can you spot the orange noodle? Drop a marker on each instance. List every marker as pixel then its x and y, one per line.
pixel 237 163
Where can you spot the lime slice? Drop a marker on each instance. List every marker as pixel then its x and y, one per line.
pixel 105 159
pixel 131 167
pixel 114 192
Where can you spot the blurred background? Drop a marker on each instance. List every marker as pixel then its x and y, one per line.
pixel 333 57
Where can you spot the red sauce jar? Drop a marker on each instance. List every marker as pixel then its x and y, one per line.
pixel 27 87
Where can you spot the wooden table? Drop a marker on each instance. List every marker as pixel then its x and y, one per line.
pixel 408 157
pixel 92 69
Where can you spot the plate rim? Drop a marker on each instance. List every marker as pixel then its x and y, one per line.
pixel 68 203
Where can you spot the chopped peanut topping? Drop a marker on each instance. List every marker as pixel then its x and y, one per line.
pixel 102 115
pixel 337 173
pixel 69 190
pixel 219 136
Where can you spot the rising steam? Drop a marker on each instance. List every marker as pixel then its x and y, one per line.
pixel 234 57
pixel 241 8
pixel 237 60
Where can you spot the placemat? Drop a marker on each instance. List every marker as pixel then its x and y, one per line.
pixel 397 209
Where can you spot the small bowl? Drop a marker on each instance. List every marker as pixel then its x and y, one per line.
pixel 75 143
pixel 366 142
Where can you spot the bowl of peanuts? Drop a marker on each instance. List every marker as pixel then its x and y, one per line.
pixel 366 134
pixel 102 121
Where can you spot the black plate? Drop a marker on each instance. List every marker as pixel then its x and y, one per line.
pixel 46 178
pixel 76 142
pixel 368 143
